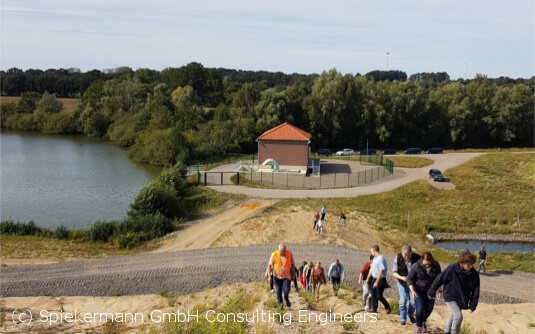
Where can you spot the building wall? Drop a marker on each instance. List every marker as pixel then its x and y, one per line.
pixel 286 153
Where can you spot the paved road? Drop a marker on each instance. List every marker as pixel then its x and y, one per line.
pixel 196 270
pixel 401 177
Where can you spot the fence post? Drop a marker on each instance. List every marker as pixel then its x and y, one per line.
pixel 238 178
pixel 272 178
pixel 286 180
pixel 221 178
pixel 348 179
pixel 198 177
pixel 334 183
pixel 365 176
pixel 304 177
pixel 358 179
pixel 205 183
pixel 320 180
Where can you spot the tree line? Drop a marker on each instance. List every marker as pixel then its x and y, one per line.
pixel 191 113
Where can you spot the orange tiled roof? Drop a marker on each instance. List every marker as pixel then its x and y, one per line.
pixel 285 131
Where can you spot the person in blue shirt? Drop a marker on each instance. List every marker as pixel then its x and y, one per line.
pixel 377 280
pixel 336 274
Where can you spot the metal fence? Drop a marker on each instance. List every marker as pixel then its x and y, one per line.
pixel 296 181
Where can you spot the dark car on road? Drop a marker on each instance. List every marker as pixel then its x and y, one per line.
pixel 436 175
pixel 434 150
pixel 413 150
pixel 369 151
pixel 324 151
pixel 388 151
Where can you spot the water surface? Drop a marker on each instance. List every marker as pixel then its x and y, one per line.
pixel 70 180
pixel 490 247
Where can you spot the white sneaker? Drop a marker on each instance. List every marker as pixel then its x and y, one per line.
pixel 271 291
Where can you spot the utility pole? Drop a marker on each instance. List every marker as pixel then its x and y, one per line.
pixel 387 53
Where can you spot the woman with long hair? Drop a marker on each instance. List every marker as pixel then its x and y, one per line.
pixel 421 276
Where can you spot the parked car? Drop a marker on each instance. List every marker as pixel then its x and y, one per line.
pixel 324 151
pixel 413 150
pixel 433 172
pixel 388 151
pixel 345 152
pixel 369 151
pixel 434 150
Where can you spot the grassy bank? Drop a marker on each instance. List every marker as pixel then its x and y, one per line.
pixel 409 162
pixel 491 190
pixel 45 245
pixel 516 261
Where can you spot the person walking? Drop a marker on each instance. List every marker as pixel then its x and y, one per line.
pixel 342 220
pixel 283 266
pixel 317 278
pixel 336 274
pixel 315 220
pixel 321 222
pixel 419 280
pixel 307 270
pixel 362 281
pixel 400 270
pixel 377 280
pixel 323 212
pixel 460 283
pixel 482 259
pixel 302 277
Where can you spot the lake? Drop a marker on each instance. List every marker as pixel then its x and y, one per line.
pixel 69 180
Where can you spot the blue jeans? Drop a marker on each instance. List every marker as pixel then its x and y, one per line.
pixel 424 307
pixel 404 296
pixel 282 285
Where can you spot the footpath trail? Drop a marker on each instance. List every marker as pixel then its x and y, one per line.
pixel 196 270
pixel 400 177
pixel 203 233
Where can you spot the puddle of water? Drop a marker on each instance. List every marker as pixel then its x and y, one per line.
pixel 490 246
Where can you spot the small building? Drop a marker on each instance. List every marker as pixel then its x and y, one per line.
pixel 284 148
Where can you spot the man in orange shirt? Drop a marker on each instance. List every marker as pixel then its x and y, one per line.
pixel 283 266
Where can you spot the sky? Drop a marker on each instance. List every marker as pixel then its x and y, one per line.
pixel 463 38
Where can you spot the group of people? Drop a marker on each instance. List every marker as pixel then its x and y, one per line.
pixel 319 220
pixel 281 272
pixel 420 281
pixel 419 278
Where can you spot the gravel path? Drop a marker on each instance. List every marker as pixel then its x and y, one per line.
pixel 196 270
pixel 400 177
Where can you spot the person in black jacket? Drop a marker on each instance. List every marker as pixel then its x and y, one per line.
pixel 400 270
pixel 420 278
pixel 461 289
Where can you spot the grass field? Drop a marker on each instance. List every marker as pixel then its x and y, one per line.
pixel 69 105
pixel 491 190
pixel 409 162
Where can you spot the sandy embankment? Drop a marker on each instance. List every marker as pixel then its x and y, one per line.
pixel 514 318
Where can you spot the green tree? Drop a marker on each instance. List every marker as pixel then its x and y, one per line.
pixel 49 104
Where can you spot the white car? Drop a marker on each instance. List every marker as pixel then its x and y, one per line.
pixel 345 152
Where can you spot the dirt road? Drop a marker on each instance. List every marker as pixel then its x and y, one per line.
pixel 196 270
pixel 401 177
pixel 205 232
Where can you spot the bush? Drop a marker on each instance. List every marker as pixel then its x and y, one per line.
pixel 103 230
pixel 9 227
pixel 151 226
pixel 60 124
pixel 129 240
pixel 157 197
pixel 61 232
